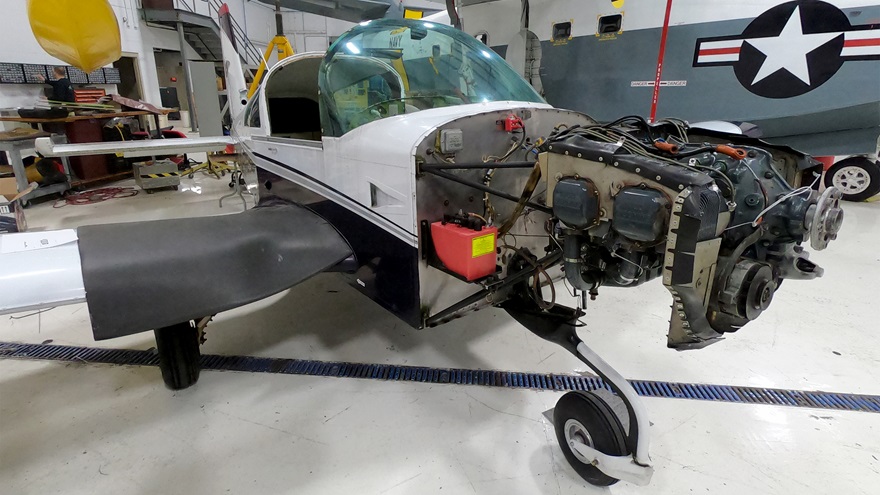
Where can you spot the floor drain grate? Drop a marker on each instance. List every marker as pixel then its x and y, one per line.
pixel 486 378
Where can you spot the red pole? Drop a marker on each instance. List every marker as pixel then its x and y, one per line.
pixel 660 56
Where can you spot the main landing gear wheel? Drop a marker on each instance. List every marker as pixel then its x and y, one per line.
pixel 178 349
pixel 584 417
pixel 857 178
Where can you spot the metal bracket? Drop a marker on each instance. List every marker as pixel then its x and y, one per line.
pixel 621 467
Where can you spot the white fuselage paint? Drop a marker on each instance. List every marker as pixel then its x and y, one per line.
pixel 343 169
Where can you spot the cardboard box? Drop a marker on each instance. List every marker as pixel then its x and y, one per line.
pixel 11 211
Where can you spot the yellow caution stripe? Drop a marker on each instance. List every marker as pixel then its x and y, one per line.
pixel 160 176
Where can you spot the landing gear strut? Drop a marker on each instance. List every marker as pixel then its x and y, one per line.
pixel 590 434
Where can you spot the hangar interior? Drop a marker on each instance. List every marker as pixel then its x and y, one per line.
pixel 296 246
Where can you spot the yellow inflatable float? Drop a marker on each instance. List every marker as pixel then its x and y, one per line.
pixel 83 33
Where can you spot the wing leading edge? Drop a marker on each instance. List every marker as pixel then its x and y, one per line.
pixel 150 147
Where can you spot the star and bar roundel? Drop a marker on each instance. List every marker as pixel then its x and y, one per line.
pixel 791 49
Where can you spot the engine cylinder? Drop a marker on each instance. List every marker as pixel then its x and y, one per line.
pixel 640 214
pixel 576 203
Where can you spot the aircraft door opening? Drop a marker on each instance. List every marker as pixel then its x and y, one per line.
pixel 524 55
pixel 533 61
pixel 292 98
pixel 524 50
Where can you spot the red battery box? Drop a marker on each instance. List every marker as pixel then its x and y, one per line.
pixel 467 252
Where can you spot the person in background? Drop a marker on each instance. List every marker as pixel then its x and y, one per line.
pixel 62 88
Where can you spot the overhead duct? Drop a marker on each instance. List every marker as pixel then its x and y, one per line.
pixel 347 10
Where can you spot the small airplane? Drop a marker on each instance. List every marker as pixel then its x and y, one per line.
pixel 803 73
pixel 414 161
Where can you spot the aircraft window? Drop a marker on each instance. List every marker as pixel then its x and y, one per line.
pixel 252 111
pixel 610 23
pixel 561 31
pixel 393 66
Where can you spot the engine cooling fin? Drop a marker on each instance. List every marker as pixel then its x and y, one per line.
pixel 485 378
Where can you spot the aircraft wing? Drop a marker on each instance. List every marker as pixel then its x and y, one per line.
pixel 184 269
pixel 149 147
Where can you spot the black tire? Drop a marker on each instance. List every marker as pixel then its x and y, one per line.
pixel 604 428
pixel 857 178
pixel 178 349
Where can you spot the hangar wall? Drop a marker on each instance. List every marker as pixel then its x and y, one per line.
pixel 307 32
pixel 138 40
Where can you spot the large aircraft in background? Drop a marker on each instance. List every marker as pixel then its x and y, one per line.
pixel 414 161
pixel 805 72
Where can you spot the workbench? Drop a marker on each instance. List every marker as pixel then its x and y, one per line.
pixel 74 118
pixel 83 129
pixel 13 145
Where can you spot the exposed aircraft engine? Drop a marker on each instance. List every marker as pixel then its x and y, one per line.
pixel 717 222
pixel 719 218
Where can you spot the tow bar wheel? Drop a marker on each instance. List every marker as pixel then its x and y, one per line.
pixel 586 418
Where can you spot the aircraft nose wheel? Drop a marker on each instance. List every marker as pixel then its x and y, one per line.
pixel 584 418
pixel 590 434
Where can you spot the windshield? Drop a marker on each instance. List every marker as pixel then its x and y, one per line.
pixel 393 66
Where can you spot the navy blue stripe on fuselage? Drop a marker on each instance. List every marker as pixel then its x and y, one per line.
pixel 337 192
pixel 388 270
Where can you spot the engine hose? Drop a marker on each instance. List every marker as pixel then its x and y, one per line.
pixel 735 153
pixel 670 148
pixel 536 280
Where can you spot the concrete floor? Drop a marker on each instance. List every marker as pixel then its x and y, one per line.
pixel 82 428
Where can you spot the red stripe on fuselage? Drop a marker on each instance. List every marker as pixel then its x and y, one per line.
pixel 720 51
pixel 855 43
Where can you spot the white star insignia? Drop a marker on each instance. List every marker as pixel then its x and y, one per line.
pixel 789 49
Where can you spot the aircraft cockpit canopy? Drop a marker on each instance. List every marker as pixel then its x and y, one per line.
pixel 390 67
